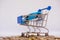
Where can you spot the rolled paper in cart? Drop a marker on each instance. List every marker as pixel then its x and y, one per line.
pixel 20 20
pixel 32 15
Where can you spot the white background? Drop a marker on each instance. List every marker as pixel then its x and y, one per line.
pixel 11 9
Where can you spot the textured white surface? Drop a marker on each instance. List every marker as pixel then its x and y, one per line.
pixel 11 9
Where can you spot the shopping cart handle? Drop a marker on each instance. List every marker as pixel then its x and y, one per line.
pixel 34 14
pixel 47 8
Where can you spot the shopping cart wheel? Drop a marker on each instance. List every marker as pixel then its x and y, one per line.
pixel 46 34
pixel 38 34
pixel 22 34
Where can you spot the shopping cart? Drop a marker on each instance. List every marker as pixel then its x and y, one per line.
pixel 36 20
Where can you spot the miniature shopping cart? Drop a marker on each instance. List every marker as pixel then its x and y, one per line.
pixel 36 20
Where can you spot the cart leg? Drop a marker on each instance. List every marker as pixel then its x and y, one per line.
pixel 38 29
pixel 29 29
pixel 34 29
